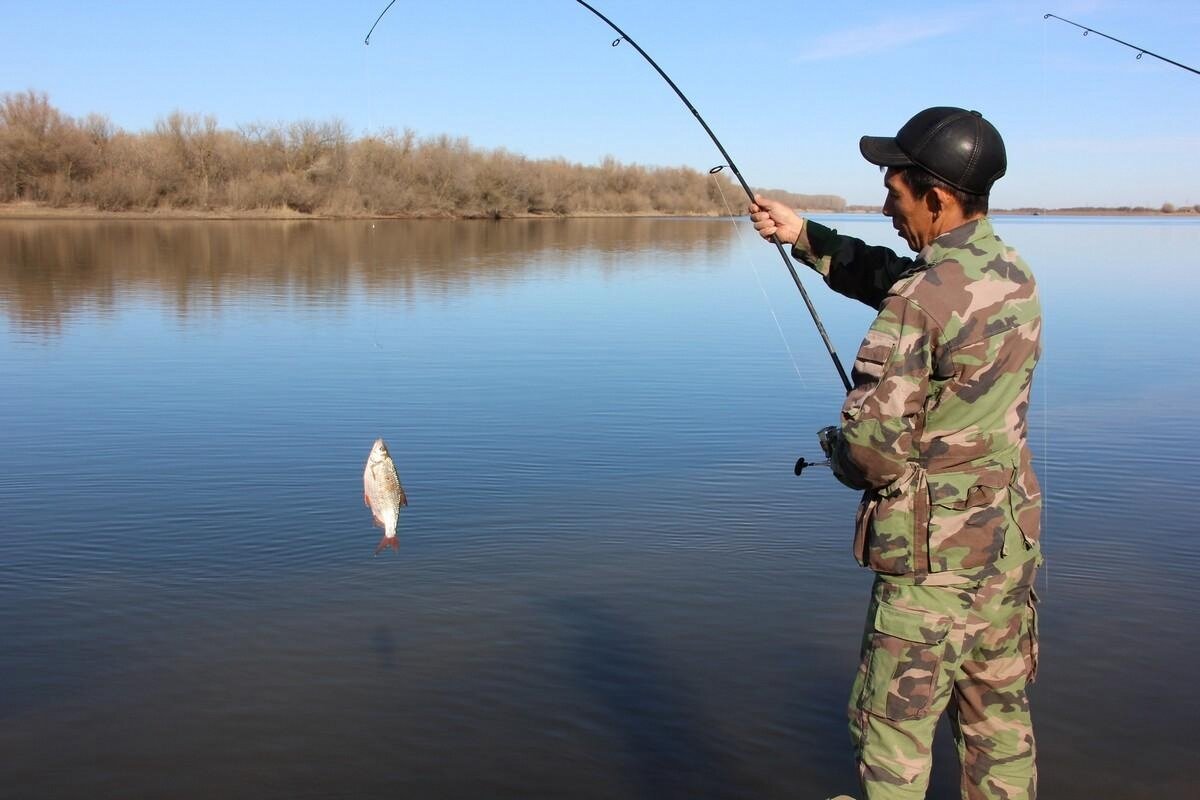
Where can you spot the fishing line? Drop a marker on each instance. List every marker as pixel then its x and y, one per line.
pixel 375 331
pixel 1045 380
pixel 624 37
pixel 812 310
pixel 1045 482
pixel 1141 51
pixel 370 132
pixel 370 91
pixel 758 280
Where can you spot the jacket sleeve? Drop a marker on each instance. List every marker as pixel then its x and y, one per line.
pixel 885 411
pixel 850 266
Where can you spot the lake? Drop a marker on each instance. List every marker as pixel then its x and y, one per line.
pixel 609 584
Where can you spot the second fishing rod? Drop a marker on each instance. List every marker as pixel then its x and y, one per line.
pixel 787 261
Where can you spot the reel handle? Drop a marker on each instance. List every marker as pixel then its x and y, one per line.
pixel 801 463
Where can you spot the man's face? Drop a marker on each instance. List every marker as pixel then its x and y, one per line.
pixel 910 215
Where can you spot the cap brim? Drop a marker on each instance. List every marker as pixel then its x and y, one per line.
pixel 883 151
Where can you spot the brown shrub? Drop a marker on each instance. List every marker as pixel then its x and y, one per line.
pixel 188 161
pixel 42 152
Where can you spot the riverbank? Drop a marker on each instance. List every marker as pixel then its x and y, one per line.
pixel 32 210
pixel 188 167
pixel 1095 212
pixel 1081 211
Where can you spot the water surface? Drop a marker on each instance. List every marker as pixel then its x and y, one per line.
pixel 609 582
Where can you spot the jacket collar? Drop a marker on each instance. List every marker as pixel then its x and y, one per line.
pixel 956 239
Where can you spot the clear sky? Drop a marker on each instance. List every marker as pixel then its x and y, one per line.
pixel 787 86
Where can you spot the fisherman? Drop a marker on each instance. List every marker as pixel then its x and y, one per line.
pixel 934 432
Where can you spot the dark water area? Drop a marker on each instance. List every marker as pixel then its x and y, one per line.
pixel 609 583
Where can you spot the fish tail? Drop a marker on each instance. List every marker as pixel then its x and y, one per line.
pixel 386 541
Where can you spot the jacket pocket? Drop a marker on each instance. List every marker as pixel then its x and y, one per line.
pixel 905 659
pixel 1025 501
pixel 862 527
pixel 873 354
pixel 1029 637
pixel 892 526
pixel 970 518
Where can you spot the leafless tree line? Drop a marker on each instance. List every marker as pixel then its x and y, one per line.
pixel 188 162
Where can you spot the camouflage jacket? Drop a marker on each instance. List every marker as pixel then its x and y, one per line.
pixel 934 429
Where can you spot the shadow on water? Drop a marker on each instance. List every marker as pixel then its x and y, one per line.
pixel 383 644
pixel 670 750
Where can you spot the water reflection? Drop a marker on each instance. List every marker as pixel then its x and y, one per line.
pixel 50 269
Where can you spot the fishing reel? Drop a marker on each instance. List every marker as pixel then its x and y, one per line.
pixel 826 437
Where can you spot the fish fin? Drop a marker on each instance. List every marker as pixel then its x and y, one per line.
pixel 378 522
pixel 403 497
pixel 388 541
pixel 366 500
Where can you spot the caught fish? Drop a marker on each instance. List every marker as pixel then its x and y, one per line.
pixel 383 494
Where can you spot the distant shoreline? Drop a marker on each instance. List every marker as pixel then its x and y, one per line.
pixel 1078 211
pixel 60 167
pixel 1091 212
pixel 30 211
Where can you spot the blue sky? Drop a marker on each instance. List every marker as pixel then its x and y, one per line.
pixel 788 87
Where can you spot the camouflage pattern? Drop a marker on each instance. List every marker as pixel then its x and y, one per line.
pixel 934 429
pixel 970 650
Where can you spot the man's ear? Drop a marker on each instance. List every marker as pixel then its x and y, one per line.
pixel 938 200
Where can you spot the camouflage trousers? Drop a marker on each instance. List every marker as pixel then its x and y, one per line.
pixel 970 650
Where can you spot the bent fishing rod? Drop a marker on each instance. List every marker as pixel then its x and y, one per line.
pixel 622 36
pixel 1141 51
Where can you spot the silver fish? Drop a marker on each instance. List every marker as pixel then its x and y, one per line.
pixel 383 494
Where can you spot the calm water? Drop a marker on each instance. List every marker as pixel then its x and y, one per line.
pixel 609 585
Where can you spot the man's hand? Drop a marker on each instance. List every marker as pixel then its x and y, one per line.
pixel 772 218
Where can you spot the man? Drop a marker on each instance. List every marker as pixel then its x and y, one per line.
pixel 934 432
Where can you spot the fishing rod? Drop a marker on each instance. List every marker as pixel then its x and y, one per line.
pixel 622 36
pixel 367 41
pixel 1141 51
pixel 812 310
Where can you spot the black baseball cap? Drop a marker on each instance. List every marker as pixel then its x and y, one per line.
pixel 958 146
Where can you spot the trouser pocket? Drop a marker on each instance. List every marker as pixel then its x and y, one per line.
pixel 903 659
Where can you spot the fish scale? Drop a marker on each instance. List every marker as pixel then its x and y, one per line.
pixel 383 494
